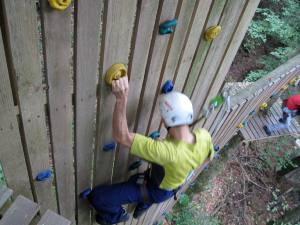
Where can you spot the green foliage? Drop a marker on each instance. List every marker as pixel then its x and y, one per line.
pixel 191 214
pixel 255 75
pixel 280 155
pixel 281 27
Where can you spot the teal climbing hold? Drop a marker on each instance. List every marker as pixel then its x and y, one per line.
pixel 154 135
pixel 167 27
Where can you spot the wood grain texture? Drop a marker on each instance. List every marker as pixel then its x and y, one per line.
pixel 232 48
pixel 57 42
pixel 51 218
pixel 144 31
pixel 22 28
pixel 216 52
pixel 5 194
pixel 11 154
pixel 190 48
pixel 203 47
pixel 172 60
pixel 21 212
pixel 87 56
pixel 118 24
pixel 155 63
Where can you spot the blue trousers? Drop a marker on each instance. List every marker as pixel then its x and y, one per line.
pixel 107 200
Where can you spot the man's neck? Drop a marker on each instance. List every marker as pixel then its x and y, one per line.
pixel 182 133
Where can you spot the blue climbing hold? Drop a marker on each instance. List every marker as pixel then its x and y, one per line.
pixel 85 193
pixel 252 113
pixel 245 123
pixel 216 148
pixel 167 87
pixel 109 147
pixel 154 135
pixel 135 165
pixel 43 175
pixel 167 27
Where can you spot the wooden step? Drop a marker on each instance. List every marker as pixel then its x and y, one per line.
pixel 5 194
pixel 21 212
pixel 51 218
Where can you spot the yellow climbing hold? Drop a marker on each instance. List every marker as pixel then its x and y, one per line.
pixel 59 4
pixel 284 88
pixel 115 72
pixel 263 106
pixel 212 32
pixel 241 125
pixel 293 81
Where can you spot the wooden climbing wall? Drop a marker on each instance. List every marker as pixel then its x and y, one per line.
pixel 56 110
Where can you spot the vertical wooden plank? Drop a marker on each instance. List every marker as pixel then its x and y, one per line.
pixel 216 52
pixel 57 41
pixel 87 53
pixel 168 68
pixel 118 26
pixel 144 31
pixel 203 48
pixel 233 48
pixel 21 18
pixel 194 38
pixel 155 63
pixel 11 154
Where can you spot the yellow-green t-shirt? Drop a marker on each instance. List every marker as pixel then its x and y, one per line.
pixel 178 158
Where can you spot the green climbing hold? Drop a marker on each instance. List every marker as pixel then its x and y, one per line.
pixel 217 101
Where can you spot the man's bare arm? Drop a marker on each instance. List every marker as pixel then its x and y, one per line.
pixel 120 127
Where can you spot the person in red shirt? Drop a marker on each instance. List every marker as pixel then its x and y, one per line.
pixel 290 108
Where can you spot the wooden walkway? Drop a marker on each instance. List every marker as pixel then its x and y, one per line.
pixel 254 129
pixel 23 211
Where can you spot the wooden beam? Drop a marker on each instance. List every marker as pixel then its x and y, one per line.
pixel 118 21
pixel 146 28
pixel 11 154
pixel 51 218
pixel 87 56
pixel 22 28
pixel 57 36
pixel 21 212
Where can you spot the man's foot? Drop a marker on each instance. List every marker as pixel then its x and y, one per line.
pixel 100 220
pixel 85 193
pixel 139 210
pixel 267 130
pixel 281 120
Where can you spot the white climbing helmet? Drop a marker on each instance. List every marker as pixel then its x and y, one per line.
pixel 176 109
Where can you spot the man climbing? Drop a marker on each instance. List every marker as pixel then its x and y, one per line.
pixel 290 108
pixel 173 159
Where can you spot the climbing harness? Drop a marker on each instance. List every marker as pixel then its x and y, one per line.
pixel 212 32
pixel 167 27
pixel 115 72
pixel 59 4
pixel 43 175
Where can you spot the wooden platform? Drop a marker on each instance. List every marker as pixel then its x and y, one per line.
pixel 22 211
pixel 254 130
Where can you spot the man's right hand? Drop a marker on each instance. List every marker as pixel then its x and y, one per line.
pixel 120 88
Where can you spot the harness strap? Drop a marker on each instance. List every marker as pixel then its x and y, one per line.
pixel 144 193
